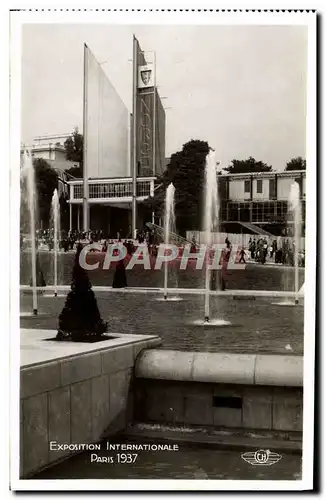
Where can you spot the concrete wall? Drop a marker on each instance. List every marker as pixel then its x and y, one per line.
pixel 265 190
pixel 237 185
pixel 283 187
pixel 212 405
pixel 107 132
pixel 236 190
pixel 220 389
pixel 74 400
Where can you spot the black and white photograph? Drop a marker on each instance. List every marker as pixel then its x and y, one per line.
pixel 163 179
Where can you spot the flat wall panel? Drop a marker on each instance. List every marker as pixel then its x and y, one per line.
pixel 107 129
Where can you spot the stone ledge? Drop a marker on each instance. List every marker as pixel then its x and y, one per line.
pixel 164 364
pixel 82 368
pixel 37 348
pixel 279 370
pixel 62 364
pixel 39 379
pixel 226 368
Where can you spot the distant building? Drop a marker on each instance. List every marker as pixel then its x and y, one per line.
pixel 110 203
pixel 51 149
pixel 259 200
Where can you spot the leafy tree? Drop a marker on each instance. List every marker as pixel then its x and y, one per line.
pixel 247 166
pixel 74 146
pixel 186 170
pixel 297 163
pixel 46 180
pixel 76 172
pixel 64 211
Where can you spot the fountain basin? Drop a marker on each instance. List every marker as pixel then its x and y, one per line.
pixel 169 299
pixel 211 322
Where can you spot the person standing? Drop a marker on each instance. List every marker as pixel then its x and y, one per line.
pixel 225 260
pixel 242 256
pixel 252 248
pixel 193 248
pixel 271 251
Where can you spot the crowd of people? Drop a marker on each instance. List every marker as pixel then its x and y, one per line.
pixel 283 253
pixel 259 250
pixel 69 240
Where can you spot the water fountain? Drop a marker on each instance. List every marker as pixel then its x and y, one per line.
pixel 211 223
pixel 169 227
pixel 211 216
pixel 295 205
pixel 294 221
pixel 55 218
pixel 28 171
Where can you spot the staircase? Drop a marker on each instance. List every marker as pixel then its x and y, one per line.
pixel 255 229
pixel 174 238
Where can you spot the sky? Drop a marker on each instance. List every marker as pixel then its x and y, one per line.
pixel 240 88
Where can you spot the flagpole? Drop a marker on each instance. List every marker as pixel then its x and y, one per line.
pixel 134 136
pixel 85 166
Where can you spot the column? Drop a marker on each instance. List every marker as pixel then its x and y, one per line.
pixel 70 216
pixel 151 195
pixel 134 136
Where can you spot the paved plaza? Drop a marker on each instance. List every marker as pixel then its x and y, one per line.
pixel 253 277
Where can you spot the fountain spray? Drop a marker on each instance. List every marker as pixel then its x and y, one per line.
pixel 295 207
pixel 29 169
pixel 211 215
pixel 55 211
pixel 168 221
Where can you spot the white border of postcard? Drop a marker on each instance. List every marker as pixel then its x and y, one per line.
pixel 176 18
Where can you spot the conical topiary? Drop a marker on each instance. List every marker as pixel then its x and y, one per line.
pixel 120 278
pixel 80 319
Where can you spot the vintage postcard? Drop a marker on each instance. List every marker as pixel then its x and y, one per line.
pixel 163 206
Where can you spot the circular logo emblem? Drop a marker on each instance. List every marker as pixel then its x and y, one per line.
pixel 261 456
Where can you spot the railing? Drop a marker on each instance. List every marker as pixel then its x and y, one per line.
pixel 174 238
pixel 112 190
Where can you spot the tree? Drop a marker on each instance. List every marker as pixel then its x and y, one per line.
pixel 186 170
pixel 297 163
pixel 80 319
pixel 247 166
pixel 76 172
pixel 46 180
pixel 64 211
pixel 74 146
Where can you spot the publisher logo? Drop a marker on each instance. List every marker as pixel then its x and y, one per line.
pixel 261 457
